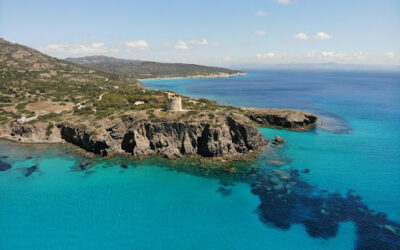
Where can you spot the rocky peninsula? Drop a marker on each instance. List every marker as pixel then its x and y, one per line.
pixel 233 137
pixel 47 100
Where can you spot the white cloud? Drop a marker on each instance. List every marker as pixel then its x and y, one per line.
pixel 181 45
pixel 301 36
pixel 284 1
pixel 139 45
pixel 261 13
pixel 359 54
pixel 266 55
pixel 390 54
pixel 201 42
pixel 328 54
pixel 77 49
pixel 322 36
pixel 351 57
pixel 260 32
pixel 227 59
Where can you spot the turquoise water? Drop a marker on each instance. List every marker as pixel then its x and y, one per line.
pixel 149 206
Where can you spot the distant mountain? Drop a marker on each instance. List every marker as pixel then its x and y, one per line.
pixel 145 69
pixel 325 66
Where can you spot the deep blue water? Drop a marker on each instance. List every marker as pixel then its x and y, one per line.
pixel 339 186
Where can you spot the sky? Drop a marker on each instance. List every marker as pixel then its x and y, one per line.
pixel 213 32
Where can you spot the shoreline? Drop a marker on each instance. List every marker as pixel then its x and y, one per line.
pixel 195 76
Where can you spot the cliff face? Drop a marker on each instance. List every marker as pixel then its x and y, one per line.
pixel 288 119
pixel 179 139
pixel 230 138
pixel 83 139
pixel 141 139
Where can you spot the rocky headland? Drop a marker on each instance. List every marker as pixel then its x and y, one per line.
pixel 171 139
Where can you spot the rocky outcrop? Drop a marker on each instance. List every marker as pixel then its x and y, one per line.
pixel 83 139
pixel 176 139
pixel 278 140
pixel 287 119
pixel 140 139
pixel 39 132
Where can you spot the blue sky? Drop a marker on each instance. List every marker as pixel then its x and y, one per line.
pixel 217 32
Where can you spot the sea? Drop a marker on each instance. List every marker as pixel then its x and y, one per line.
pixel 334 187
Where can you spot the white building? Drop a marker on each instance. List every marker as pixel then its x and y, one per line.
pixel 22 119
pixel 139 103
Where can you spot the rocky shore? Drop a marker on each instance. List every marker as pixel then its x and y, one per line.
pixel 142 139
pixel 172 139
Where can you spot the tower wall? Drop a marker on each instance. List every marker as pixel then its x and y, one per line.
pixel 174 104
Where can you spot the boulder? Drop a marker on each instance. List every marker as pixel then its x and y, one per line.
pixel 278 140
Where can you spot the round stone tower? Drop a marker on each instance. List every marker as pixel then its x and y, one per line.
pixel 174 102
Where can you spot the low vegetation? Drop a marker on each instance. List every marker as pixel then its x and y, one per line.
pixel 47 89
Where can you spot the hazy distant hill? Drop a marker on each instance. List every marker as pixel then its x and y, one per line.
pixel 324 66
pixel 145 69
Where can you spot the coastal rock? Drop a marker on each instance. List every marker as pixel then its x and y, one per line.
pixel 30 133
pixel 177 139
pixel 83 139
pixel 116 129
pixel 278 140
pixel 231 137
pixel 287 119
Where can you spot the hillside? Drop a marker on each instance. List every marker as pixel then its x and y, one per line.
pixel 144 69
pixel 40 76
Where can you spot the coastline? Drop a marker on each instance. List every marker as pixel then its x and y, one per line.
pixel 222 75
pixel 234 140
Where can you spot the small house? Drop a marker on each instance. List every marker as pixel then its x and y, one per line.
pixel 139 103
pixel 22 119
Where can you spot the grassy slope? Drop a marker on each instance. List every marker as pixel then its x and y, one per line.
pixel 28 76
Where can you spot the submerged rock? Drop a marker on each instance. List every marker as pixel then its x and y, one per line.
pixel 224 191
pixel 85 165
pixel 31 170
pixel 4 166
pixel 287 200
pixel 276 162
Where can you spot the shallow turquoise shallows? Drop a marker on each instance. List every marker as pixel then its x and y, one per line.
pixel 149 206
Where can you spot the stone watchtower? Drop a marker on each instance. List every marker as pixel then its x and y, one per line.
pixel 174 102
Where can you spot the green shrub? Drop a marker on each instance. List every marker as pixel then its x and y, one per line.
pixel 6 99
pixel 49 129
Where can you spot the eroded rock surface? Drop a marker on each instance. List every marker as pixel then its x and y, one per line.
pixel 230 138
pixel 178 139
